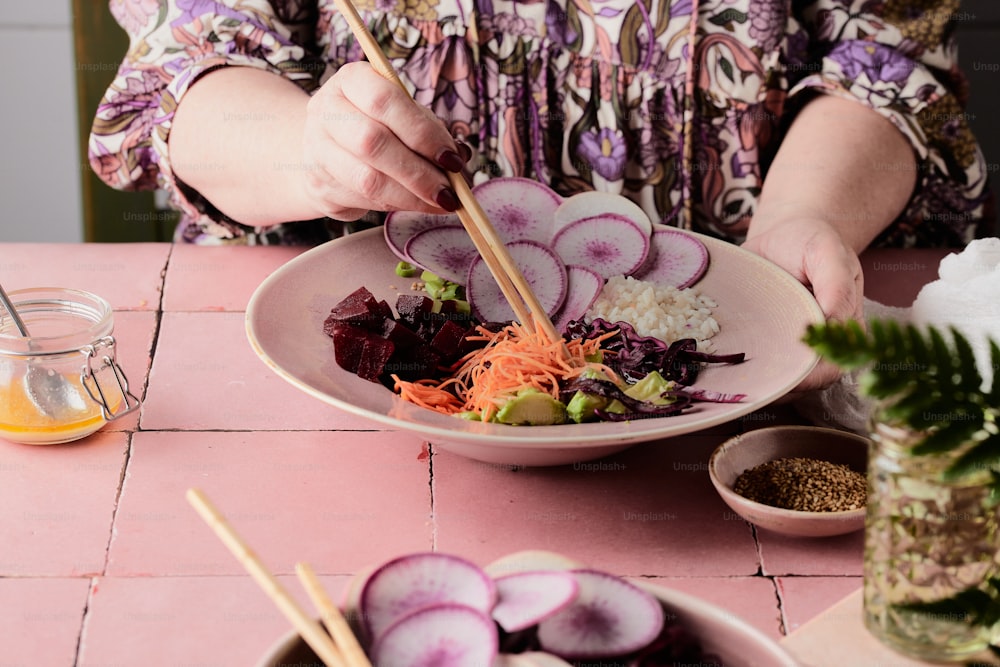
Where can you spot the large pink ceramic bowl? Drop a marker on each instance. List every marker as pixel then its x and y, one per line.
pixel 762 311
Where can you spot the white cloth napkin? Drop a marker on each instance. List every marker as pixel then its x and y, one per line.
pixel 965 296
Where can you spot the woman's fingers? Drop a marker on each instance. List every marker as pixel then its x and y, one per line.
pixel 378 148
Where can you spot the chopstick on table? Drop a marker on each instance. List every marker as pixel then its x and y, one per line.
pixel 310 630
pixel 515 288
pixel 333 619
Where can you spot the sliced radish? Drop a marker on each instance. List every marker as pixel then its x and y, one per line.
pixel 587 204
pixel 608 243
pixel 447 635
pixel 530 560
pixel 583 288
pixel 419 580
pixel 519 208
pixel 609 617
pixel 446 251
pixel 400 226
pixel 542 270
pixel 525 598
pixel 681 259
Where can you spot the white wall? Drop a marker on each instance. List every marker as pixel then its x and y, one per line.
pixel 40 171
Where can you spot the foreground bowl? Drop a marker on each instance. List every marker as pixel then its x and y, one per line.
pixel 762 311
pixel 732 640
pixel 753 448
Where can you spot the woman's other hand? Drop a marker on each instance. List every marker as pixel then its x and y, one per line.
pixel 814 252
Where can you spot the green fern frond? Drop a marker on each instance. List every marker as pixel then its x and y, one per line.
pixel 923 380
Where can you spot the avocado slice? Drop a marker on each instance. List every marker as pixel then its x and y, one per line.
pixel 649 389
pixel 532 407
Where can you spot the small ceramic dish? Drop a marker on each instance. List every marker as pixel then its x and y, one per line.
pixel 753 448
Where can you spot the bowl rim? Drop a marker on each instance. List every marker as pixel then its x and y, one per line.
pixel 726 490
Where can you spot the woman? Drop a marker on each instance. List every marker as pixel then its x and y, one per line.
pixel 806 130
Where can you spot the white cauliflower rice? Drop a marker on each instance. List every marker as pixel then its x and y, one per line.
pixel 656 310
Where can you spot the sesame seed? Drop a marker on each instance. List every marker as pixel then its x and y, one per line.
pixel 805 485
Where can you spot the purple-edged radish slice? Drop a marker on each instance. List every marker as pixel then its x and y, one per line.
pixel 583 288
pixel 609 617
pixel 608 243
pixel 401 226
pixel 525 598
pixel 587 204
pixel 681 259
pixel 446 635
pixel 542 269
pixel 519 208
pixel 445 251
pixel 418 580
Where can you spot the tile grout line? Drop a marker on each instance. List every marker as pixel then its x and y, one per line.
pixel 124 468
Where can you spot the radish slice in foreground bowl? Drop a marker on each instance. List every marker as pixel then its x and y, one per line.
pixel 609 617
pixel 542 270
pixel 447 635
pixel 446 251
pixel 608 243
pixel 419 580
pixel 525 598
pixel 519 208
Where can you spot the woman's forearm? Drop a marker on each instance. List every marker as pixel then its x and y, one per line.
pixel 237 140
pixel 840 162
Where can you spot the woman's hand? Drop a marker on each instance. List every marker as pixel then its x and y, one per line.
pixel 815 253
pixel 265 152
pixel 368 146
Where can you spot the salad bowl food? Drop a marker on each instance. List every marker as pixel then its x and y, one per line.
pixel 762 312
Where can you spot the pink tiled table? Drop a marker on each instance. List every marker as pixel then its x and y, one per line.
pixel 103 562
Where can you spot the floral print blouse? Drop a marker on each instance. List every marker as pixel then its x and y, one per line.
pixel 578 94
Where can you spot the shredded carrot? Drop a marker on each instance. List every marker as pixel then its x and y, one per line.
pixel 511 360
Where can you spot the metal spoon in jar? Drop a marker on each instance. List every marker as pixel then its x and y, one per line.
pixel 50 392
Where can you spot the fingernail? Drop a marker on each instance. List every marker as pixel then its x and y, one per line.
pixel 466 151
pixel 451 161
pixel 447 199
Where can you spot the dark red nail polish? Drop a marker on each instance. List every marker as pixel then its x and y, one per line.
pixel 447 199
pixel 466 150
pixel 451 161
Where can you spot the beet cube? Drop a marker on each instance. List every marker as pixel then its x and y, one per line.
pixel 448 340
pixel 348 345
pixel 374 356
pixel 402 336
pixel 412 308
pixel 358 308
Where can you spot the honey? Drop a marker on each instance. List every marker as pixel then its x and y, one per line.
pixel 71 337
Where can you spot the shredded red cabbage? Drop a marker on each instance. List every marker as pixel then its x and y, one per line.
pixel 634 356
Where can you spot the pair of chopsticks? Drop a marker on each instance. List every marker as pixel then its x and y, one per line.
pixel 515 288
pixel 339 648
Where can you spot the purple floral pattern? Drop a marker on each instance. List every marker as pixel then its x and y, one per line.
pixel 579 94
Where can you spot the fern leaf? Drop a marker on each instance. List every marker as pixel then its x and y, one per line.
pixel 984 455
pixel 957 428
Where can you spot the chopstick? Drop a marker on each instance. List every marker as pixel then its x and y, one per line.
pixel 310 630
pixel 515 288
pixel 334 621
